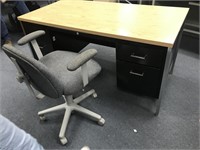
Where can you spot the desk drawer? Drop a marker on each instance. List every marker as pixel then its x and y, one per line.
pixel 142 54
pixel 139 78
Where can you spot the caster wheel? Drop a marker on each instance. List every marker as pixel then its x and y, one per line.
pixel 42 117
pixel 101 122
pixel 94 95
pixel 155 114
pixel 63 140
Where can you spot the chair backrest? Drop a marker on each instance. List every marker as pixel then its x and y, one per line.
pixel 38 75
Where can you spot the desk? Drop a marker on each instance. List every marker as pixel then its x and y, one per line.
pixel 145 37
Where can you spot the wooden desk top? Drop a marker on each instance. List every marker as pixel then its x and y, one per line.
pixel 157 25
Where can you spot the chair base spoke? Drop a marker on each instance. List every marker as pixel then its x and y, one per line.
pixel 72 105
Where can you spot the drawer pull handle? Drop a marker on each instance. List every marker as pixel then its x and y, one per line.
pixel 53 38
pixel 138 57
pixel 137 74
pixel 194 4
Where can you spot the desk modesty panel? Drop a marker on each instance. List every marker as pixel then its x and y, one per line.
pixel 156 25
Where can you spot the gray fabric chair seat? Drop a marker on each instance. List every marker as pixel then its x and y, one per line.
pixel 57 62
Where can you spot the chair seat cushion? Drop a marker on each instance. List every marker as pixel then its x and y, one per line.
pixel 57 62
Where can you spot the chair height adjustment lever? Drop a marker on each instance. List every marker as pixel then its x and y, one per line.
pixel 20 78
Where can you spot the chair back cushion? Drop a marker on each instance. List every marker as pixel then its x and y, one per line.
pixel 38 75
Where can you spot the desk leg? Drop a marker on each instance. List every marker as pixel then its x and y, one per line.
pixel 175 51
pixel 153 2
pixel 157 107
pixel 164 82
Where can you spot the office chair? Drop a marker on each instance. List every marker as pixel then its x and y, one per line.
pixel 57 74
